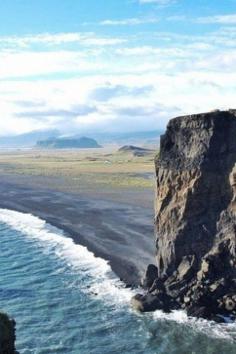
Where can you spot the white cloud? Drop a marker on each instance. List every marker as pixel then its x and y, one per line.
pixel 96 86
pixel 85 39
pixel 22 64
pixel 129 21
pixel 104 41
pixel 219 19
pixel 71 105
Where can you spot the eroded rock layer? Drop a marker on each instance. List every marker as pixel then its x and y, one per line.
pixel 195 217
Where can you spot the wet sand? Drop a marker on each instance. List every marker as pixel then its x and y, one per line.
pixel 117 226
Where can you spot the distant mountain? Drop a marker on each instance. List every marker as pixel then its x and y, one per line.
pixel 27 139
pixel 68 143
pixel 135 150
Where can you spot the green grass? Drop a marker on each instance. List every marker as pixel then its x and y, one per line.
pixel 100 168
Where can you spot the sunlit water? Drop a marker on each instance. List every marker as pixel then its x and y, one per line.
pixel 65 300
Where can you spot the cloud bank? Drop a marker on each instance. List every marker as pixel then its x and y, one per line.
pixel 116 81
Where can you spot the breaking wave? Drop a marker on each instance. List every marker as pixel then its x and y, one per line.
pixel 94 278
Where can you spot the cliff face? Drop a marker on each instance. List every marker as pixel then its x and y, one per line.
pixel 195 215
pixel 7 335
pixel 197 156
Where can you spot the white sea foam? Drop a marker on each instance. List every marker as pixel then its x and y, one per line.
pixel 209 328
pixel 101 280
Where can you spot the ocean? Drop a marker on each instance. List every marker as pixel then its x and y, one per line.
pixel 66 300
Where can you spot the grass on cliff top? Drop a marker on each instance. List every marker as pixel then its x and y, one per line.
pixel 100 167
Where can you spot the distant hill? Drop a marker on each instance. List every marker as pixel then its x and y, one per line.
pixel 121 138
pixel 135 150
pixel 68 143
pixel 28 139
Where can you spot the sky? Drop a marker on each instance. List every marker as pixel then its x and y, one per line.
pixel 113 65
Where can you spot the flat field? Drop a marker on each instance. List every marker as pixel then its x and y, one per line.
pixel 78 170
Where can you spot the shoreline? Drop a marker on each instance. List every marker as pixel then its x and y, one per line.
pixel 120 233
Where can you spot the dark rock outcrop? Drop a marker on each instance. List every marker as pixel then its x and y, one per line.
pixel 196 215
pixel 150 275
pixel 7 335
pixel 136 151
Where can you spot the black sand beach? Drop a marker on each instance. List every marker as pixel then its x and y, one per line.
pixel 115 227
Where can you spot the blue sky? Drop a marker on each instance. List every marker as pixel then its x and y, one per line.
pixel 31 16
pixel 114 65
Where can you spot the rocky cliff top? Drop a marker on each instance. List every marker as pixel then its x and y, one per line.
pixel 188 139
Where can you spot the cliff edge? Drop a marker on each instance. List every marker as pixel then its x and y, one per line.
pixel 7 335
pixel 195 218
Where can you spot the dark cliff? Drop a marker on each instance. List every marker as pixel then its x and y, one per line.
pixel 195 217
pixel 197 156
pixel 7 335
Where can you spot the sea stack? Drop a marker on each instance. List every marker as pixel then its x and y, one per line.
pixel 195 218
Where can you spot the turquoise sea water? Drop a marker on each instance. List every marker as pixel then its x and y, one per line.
pixel 67 301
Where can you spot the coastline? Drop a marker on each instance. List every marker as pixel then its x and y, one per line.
pixel 120 232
